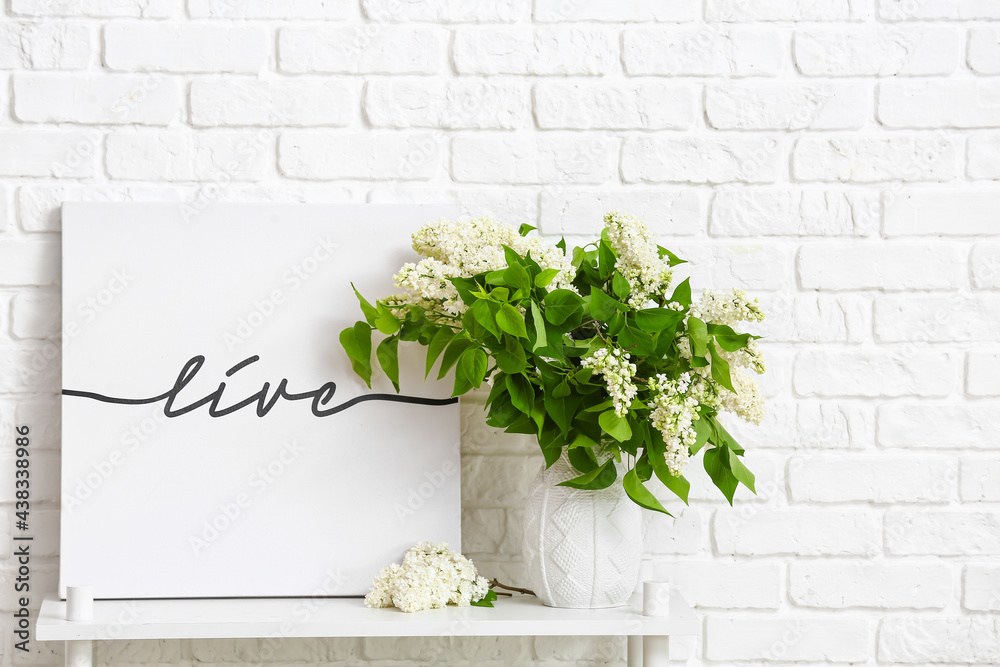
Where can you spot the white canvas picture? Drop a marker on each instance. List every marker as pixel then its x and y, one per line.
pixel 216 442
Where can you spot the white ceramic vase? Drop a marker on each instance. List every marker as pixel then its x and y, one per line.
pixel 582 549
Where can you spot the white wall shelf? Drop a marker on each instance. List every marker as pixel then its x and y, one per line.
pixel 348 617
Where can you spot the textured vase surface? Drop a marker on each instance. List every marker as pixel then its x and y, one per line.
pixel 582 549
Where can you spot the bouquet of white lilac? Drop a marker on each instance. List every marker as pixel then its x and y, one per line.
pixel 591 351
pixel 430 578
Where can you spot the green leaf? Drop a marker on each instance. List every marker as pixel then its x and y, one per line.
pixel 639 494
pixel 388 358
pixel 602 306
pixel 698 335
pixel 615 426
pixel 583 459
pixel 436 346
pixel 655 320
pixel 518 278
pixel 620 286
pixel 522 392
pixel 484 316
pixel 541 340
pixel 456 347
pixel 672 259
pixel 682 293
pixel 703 430
pixel 607 259
pixel 357 342
pixel 582 440
pixel 720 369
pixel 470 371
pixel 545 278
pixel 560 305
pixel 386 322
pixel 598 478
pixel 487 600
pixel 740 471
pixel 562 244
pixel 510 321
pixel 716 468
pixel 728 339
pixel 511 359
pixel 525 229
pixel 369 311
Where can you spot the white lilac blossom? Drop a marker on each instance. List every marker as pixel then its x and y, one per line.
pixel 675 404
pixel 618 372
pixel 430 577
pixel 638 258
pixel 726 308
pixel 464 248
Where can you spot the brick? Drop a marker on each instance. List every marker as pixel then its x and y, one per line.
pixel 45 46
pixel 875 373
pixel 983 154
pixel 877 478
pixel 253 651
pixel 590 106
pixel 461 104
pixel 557 11
pixel 753 267
pixel 766 212
pixel 483 530
pixel 447 11
pixel 828 425
pixel 981 588
pixel 899 265
pixel 96 8
pixel 933 318
pixel 938 104
pixel 906 10
pixel 562 50
pixel 875 159
pixel 296 102
pixel 29 261
pixel 269 9
pixel 39 206
pixel 984 264
pixel 539 159
pixel 942 533
pixel 195 48
pixel 658 159
pixel 787 106
pixel 796 532
pixel 498 481
pixel 733 11
pixel 43 415
pixel 437 649
pixel 36 314
pixel 845 584
pixel 505 204
pixel 794 638
pixel 933 639
pixel 877 51
pixel 941 213
pixel 980 479
pixel 686 533
pixel 603 650
pixel 388 50
pixel 723 585
pixel 667 213
pixel 30 367
pixel 709 51
pixel 973 425
pixel 176 155
pixel 98 100
pixel 51 153
pixel 984 50
pixel 321 156
pixel 3 210
pixel 982 373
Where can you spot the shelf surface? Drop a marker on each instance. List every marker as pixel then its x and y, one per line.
pixel 348 617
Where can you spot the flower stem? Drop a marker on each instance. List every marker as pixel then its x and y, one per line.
pixel 496 584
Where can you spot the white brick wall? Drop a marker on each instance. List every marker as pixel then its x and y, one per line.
pixel 838 158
